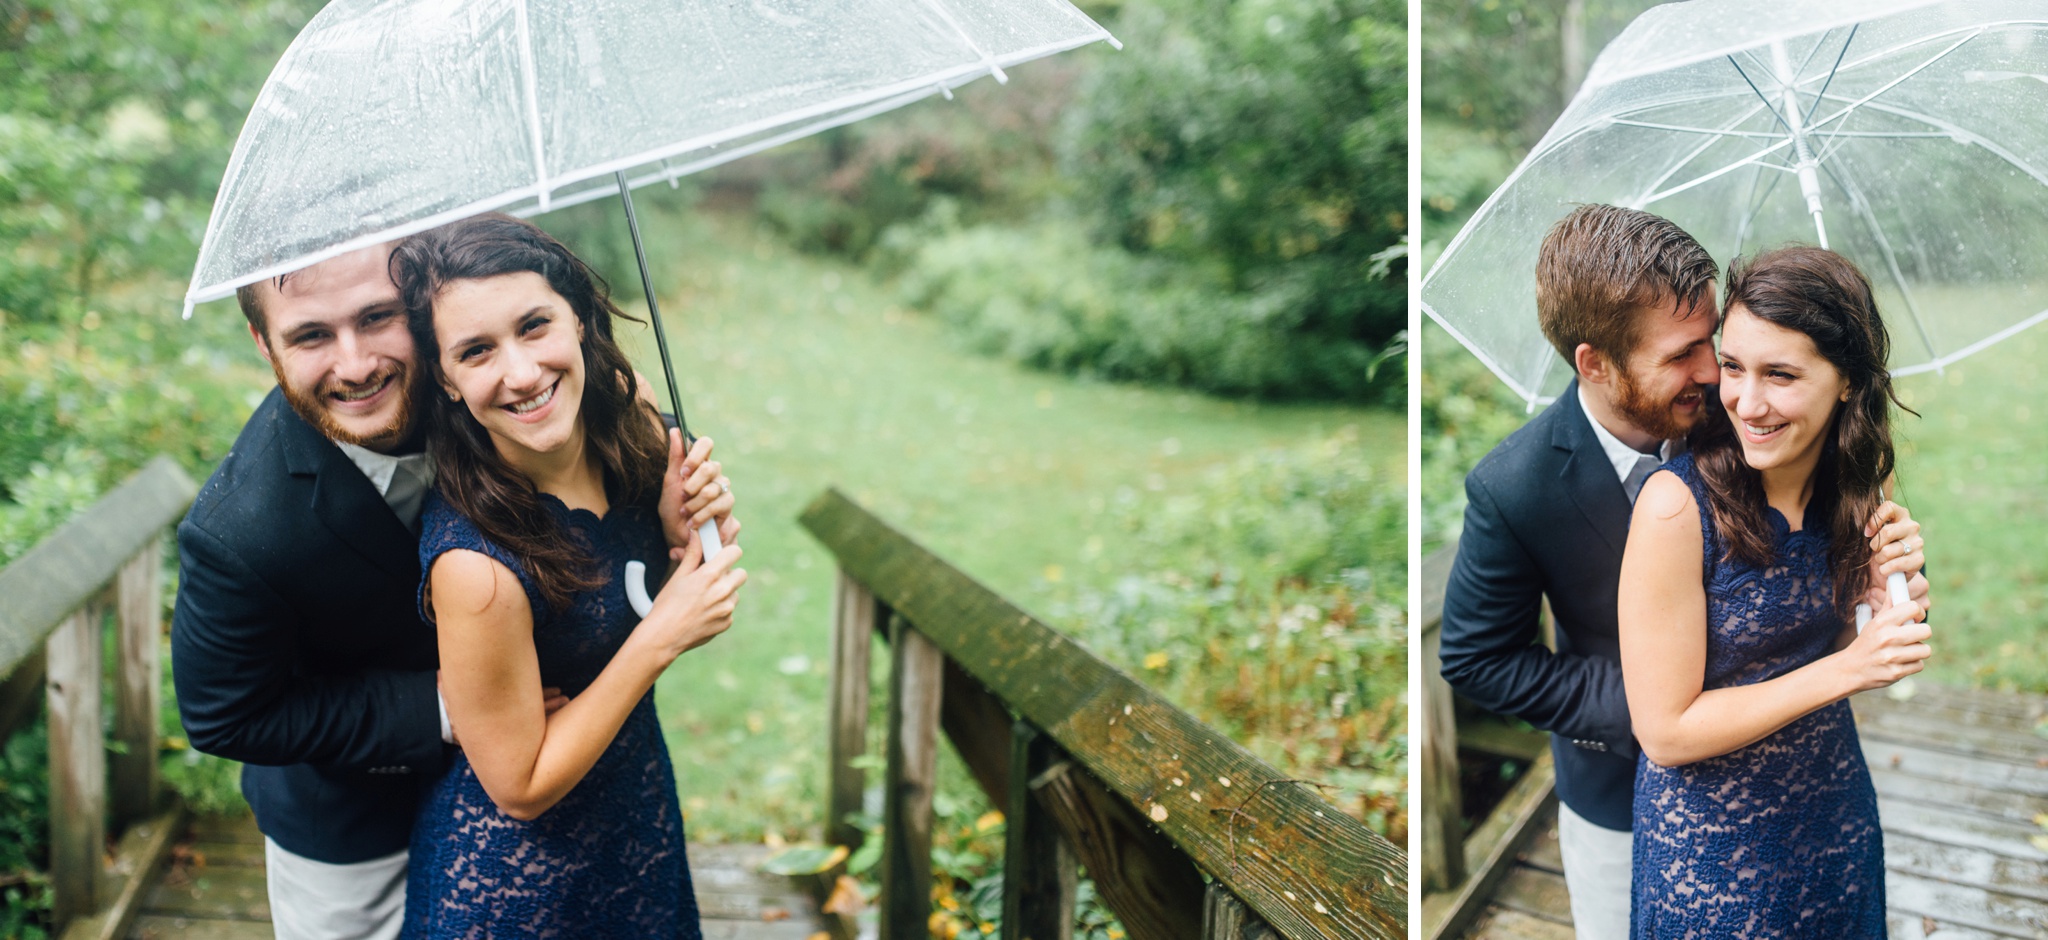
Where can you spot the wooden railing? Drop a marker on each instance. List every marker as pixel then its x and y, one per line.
pixel 1458 870
pixel 52 623
pixel 1092 767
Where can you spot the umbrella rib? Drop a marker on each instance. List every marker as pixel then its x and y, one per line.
pixel 1894 83
pixel 1527 396
pixel 1681 129
pixel 1963 135
pixel 1832 71
pixel 1680 164
pixel 1884 249
pixel 531 84
pixel 1972 349
pixel 986 59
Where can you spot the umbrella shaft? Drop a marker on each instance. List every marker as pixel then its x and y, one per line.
pixel 668 369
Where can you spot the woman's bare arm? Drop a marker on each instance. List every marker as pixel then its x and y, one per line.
pixel 1663 622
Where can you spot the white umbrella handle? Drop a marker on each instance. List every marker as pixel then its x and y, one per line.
pixel 636 572
pixel 1896 584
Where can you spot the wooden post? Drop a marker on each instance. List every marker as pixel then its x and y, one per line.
pixel 1151 884
pixel 135 699
pixel 1224 917
pixel 915 684
pixel 1039 874
pixel 854 613
pixel 1442 806
pixel 78 764
pixel 21 694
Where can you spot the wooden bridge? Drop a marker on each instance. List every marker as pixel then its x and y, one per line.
pixel 1962 788
pixel 1184 833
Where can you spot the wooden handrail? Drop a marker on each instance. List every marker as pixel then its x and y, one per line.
pixel 1304 867
pixel 107 558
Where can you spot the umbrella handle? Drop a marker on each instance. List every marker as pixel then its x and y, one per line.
pixel 636 572
pixel 1896 584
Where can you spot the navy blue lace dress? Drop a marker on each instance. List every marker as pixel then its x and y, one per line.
pixel 1780 838
pixel 606 861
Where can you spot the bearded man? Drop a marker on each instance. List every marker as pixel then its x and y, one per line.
pixel 1628 300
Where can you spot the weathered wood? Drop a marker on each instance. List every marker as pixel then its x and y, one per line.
pixel 915 681
pixel 1305 867
pixel 135 864
pixel 1224 917
pixel 978 726
pixel 2017 807
pixel 21 694
pixel 1499 923
pixel 1543 851
pixel 78 764
pixel 1889 722
pixel 1935 700
pixel 240 829
pixel 854 615
pixel 236 854
pixel 1940 861
pixel 139 629
pixel 71 565
pixel 1151 885
pixel 1957 827
pixel 1495 736
pixel 1965 906
pixel 1535 892
pixel 1039 876
pixel 1435 576
pixel 1441 805
pixel 1901 926
pixel 1917 761
pixel 214 894
pixel 1491 849
pixel 173 927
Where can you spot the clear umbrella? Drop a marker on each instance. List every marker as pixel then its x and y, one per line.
pixel 390 117
pixel 1909 135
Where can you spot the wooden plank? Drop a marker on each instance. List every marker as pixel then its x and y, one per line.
pixel 1441 804
pixel 1914 760
pixel 136 861
pixel 239 828
pixel 2027 706
pixel 978 727
pixel 1495 736
pixel 69 566
pixel 21 695
pixel 854 615
pixel 138 626
pixel 1969 830
pixel 212 894
pixel 78 764
pixel 1543 851
pixel 2016 807
pixel 2020 717
pixel 915 681
pixel 1537 893
pixel 225 854
pixel 1889 722
pixel 1965 906
pixel 1436 575
pixel 1224 917
pixel 792 929
pixel 1490 851
pixel 1305 867
pixel 1940 861
pixel 1500 923
pixel 1902 926
pixel 1147 880
pixel 168 927
pixel 1039 876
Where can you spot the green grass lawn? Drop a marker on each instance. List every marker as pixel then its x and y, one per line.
pixel 1973 468
pixel 808 375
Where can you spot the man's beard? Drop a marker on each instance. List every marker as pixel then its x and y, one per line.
pixel 311 405
pixel 1649 416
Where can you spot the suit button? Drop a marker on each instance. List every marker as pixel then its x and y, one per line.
pixel 1591 745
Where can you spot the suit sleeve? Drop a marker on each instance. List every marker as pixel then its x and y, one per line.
pixel 240 697
pixel 1489 642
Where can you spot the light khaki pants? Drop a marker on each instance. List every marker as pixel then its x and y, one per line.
pixel 1596 872
pixel 312 900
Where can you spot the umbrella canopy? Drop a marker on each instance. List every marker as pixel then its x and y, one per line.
pixel 389 117
pixel 1909 135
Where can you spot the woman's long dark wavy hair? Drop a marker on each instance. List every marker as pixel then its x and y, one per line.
pixel 1822 295
pixel 470 473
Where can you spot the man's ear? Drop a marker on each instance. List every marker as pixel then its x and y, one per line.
pixel 262 344
pixel 1592 365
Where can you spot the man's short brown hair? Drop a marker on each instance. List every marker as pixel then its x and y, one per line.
pixel 1601 264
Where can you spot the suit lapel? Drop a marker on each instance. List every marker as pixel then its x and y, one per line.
pixel 343 499
pixel 1587 475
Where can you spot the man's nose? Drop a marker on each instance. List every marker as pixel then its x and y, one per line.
pixel 355 363
pixel 1706 368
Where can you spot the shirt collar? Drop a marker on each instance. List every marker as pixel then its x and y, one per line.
pixel 380 468
pixel 1622 456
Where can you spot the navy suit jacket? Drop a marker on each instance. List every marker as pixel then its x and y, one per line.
pixel 297 645
pixel 1547 516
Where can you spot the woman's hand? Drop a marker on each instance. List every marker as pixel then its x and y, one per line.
pixel 693 493
pixel 1892 646
pixel 1895 546
pixel 696 604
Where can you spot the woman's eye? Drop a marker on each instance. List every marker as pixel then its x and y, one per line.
pixel 1730 367
pixel 470 352
pixel 533 325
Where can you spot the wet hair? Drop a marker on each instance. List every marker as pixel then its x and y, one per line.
pixel 1601 265
pixel 1822 295
pixel 468 469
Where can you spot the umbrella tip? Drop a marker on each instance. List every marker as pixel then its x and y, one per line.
pixel 1002 77
pixel 1114 43
pixel 188 309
